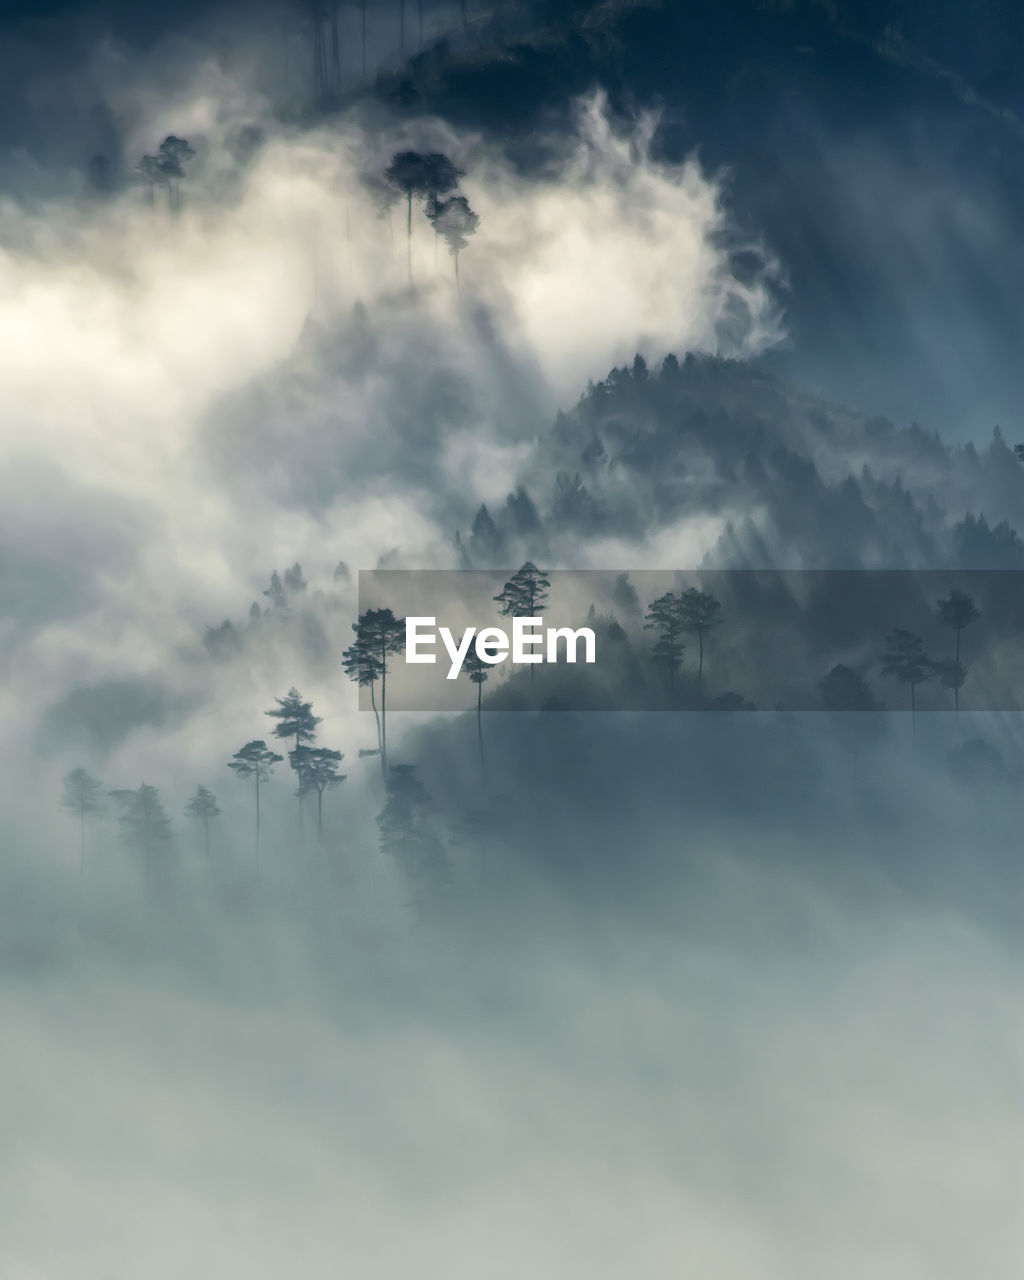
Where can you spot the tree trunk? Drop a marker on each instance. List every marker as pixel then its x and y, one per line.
pixel 384 707
pixel 319 59
pixel 81 842
pixel 408 237
pixel 320 816
pixel 480 728
pixel 298 777
pixel 956 691
pixel 700 648
pixel 376 715
pixel 206 833
pixel 257 813
pixel 335 51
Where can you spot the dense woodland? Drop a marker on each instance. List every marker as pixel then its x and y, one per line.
pixel 823 486
pixel 788 477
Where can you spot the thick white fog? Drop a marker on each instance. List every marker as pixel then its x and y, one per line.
pixel 145 505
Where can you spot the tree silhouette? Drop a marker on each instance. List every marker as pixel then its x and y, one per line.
pixel 364 668
pixel 317 771
pixel 477 670
pixel 276 593
pixel 699 612
pixel 408 174
pixel 175 153
pixel 148 172
pixel 326 62
pixel 455 220
pixel 624 595
pixel 406 833
pixel 441 176
pixel 144 825
pixel 380 633
pixel 484 539
pixel 524 595
pixel 295 719
pixel 335 48
pixel 419 176
pixel 255 760
pixel 665 617
pixel 165 169
pixel 952 674
pixel 905 660
pixel 956 611
pixel 294 581
pixel 203 806
pixel 81 797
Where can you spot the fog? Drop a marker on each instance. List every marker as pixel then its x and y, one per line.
pixel 734 994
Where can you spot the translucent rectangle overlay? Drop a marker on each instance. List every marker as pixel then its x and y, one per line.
pixel 714 640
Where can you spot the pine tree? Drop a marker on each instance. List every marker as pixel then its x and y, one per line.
pixel 295 719
pixel 419 176
pixel 144 825
pixel 317 771
pixel 455 222
pixel 364 668
pixel 478 671
pixel 699 611
pixel 665 616
pixel 203 806
pixel 255 760
pixel 956 611
pixel 905 660
pixel 524 595
pixel 380 634
pixel 82 798
pixel 407 835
